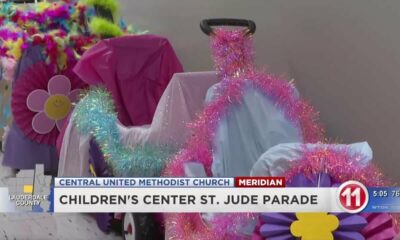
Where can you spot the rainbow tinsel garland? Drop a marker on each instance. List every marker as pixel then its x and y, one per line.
pixel 95 115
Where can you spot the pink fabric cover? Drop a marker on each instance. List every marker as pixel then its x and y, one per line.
pixel 182 100
pixel 136 69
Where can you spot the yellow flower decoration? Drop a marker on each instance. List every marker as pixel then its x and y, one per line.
pixel 14 48
pixel 314 226
pixel 41 6
pixel 62 56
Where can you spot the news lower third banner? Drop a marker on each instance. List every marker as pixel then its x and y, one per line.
pixel 161 195
pixel 239 194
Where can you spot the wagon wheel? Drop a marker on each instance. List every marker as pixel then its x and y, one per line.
pixel 139 226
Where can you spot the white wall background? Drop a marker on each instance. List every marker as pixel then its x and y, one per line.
pixel 343 54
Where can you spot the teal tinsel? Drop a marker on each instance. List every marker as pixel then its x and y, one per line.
pixel 6 113
pixel 95 115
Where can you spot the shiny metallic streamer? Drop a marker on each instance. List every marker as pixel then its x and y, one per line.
pixel 338 163
pixel 95 115
pixel 342 166
pixel 233 56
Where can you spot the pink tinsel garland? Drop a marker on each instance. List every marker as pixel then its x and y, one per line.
pixel 342 166
pixel 233 56
pixel 339 164
pixel 230 92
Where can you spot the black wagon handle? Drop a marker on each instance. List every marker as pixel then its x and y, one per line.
pixel 206 24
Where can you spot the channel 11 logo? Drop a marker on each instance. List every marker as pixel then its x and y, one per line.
pixel 352 196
